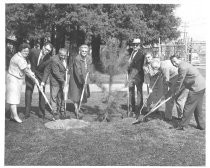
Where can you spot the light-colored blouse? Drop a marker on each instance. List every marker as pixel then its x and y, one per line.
pixel 17 65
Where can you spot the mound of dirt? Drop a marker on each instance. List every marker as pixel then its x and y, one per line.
pixel 67 124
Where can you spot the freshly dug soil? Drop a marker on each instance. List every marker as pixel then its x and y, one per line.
pixel 67 124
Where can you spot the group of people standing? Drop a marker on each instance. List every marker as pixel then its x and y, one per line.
pixel 174 80
pixel 36 66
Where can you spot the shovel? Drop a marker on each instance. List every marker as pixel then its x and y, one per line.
pixel 45 97
pixel 148 95
pixel 65 91
pixel 128 98
pixel 82 95
pixel 158 104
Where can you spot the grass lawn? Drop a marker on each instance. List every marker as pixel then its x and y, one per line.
pixel 103 144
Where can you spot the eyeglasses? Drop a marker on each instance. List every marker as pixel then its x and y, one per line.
pixel 84 51
pixel 136 45
pixel 48 50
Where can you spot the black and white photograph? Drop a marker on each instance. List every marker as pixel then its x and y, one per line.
pixel 104 83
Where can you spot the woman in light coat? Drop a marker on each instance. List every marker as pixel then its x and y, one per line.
pixel 18 67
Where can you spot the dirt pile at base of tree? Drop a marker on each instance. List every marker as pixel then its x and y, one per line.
pixel 67 124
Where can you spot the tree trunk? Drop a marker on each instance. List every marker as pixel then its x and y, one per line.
pixel 60 38
pixel 96 40
pixel 53 35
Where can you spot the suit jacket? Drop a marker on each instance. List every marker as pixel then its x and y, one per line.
pixel 38 70
pixel 168 70
pixel 57 72
pixel 135 69
pixel 190 77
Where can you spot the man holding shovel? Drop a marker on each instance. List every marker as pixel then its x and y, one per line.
pixel 190 78
pixel 170 76
pixel 136 77
pixel 57 83
pixel 39 61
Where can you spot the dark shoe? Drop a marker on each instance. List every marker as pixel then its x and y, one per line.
pixel 167 119
pixel 43 117
pixel 131 114
pixel 62 115
pixel 179 119
pixel 27 116
pixel 181 128
pixel 108 118
pixel 55 116
pixel 200 128
pixel 80 116
pixel 136 115
pixel 40 115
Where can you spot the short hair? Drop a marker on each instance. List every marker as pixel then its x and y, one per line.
pixel 23 46
pixel 174 56
pixel 83 46
pixel 63 50
pixel 149 52
pixel 47 43
pixel 155 62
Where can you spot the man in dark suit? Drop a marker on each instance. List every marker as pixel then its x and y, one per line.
pixel 57 80
pixel 39 60
pixel 136 77
pixel 190 78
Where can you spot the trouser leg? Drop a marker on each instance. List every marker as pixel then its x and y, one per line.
pixel 170 104
pixel 42 103
pixel 198 113
pixel 189 108
pixel 53 98
pixel 60 99
pixel 28 99
pixel 139 98
pixel 168 108
pixel 180 101
pixel 132 97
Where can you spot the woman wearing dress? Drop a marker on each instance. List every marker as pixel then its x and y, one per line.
pixel 18 67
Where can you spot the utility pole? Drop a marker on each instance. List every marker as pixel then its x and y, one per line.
pixel 190 51
pixel 159 46
pixel 185 41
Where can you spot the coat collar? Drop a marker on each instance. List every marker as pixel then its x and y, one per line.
pixel 59 61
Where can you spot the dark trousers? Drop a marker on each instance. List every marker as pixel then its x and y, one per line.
pixel 139 102
pixel 28 100
pixel 193 105
pixel 57 99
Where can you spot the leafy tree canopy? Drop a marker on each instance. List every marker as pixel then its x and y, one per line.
pixel 122 21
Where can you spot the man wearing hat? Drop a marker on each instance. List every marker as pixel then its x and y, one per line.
pixel 136 77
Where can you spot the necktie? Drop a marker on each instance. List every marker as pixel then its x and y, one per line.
pixel 132 56
pixel 40 59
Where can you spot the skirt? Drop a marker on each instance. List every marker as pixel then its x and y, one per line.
pixel 13 89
